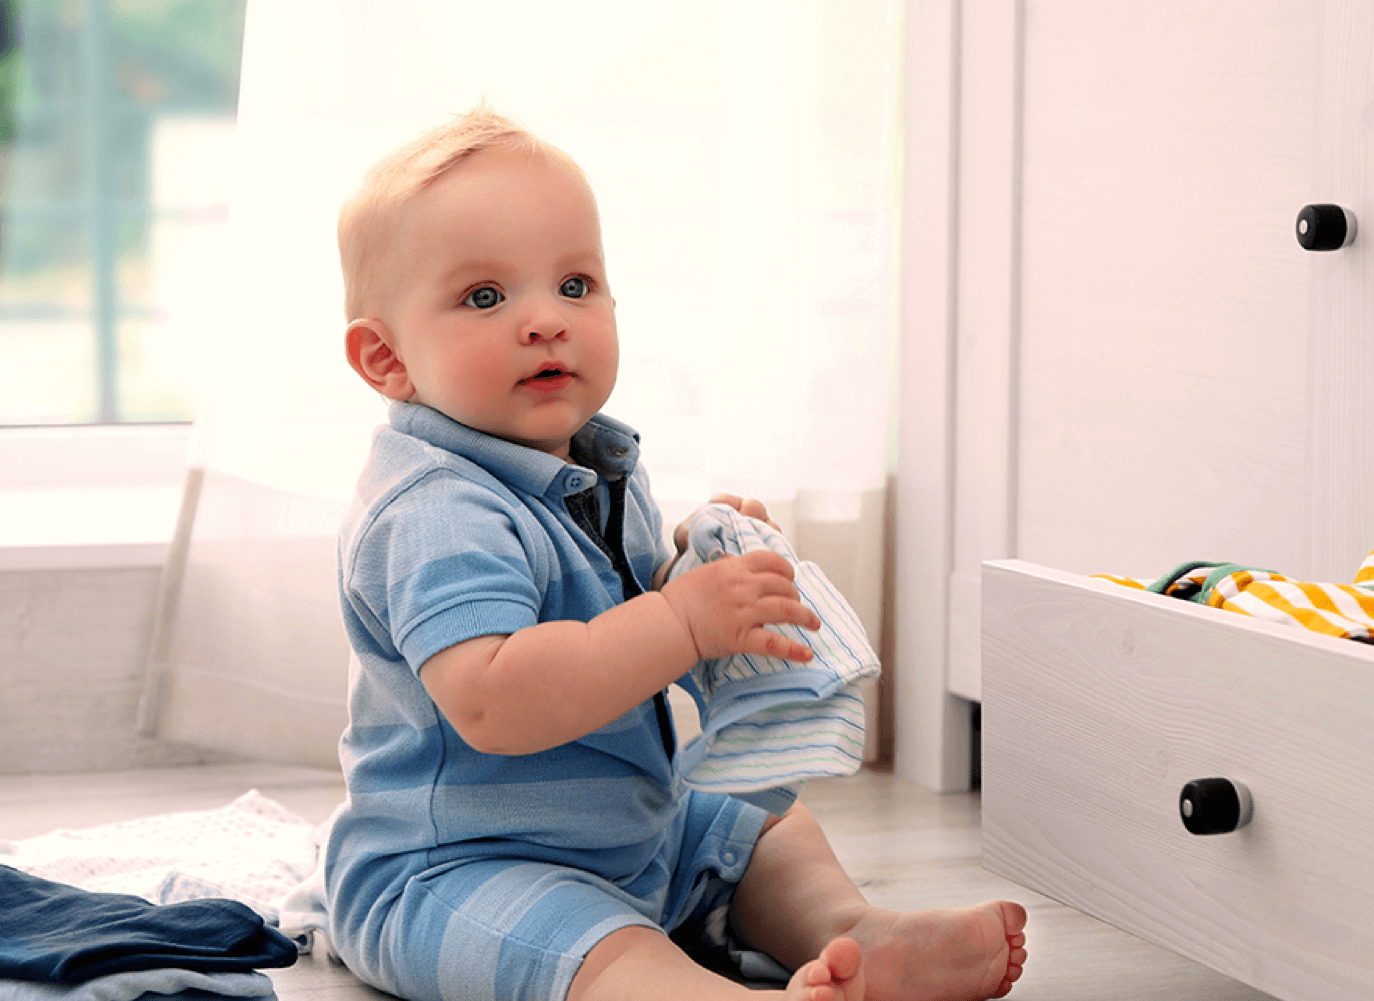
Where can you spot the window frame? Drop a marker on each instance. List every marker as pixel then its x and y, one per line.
pixel 84 497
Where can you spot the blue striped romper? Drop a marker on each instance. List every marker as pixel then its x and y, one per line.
pixel 453 874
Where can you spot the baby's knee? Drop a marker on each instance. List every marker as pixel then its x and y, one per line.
pixel 637 962
pixel 610 953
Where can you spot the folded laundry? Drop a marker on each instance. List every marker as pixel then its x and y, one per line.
pixel 1345 611
pixel 187 985
pixel 59 934
pixel 768 724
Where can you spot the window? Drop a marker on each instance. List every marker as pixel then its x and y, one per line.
pixel 116 125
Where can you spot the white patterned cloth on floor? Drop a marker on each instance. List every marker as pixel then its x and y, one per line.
pixel 767 723
pixel 253 850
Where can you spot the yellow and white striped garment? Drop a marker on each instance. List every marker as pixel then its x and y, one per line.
pixel 1345 611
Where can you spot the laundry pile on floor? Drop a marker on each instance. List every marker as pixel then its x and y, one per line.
pixel 184 904
pixel 58 941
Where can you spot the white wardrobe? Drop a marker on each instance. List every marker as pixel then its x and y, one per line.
pixel 1115 355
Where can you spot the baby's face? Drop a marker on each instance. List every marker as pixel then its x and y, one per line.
pixel 504 320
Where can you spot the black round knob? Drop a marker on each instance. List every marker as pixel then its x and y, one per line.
pixel 1214 806
pixel 1325 227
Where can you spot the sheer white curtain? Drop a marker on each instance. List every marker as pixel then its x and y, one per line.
pixel 744 153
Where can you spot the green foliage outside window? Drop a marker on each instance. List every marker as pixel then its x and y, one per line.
pixel 83 86
pixel 9 66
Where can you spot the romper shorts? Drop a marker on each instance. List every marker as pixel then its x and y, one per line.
pixel 509 929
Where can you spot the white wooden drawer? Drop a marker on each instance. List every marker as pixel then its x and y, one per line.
pixel 1100 703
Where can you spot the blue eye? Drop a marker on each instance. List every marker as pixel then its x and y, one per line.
pixel 484 298
pixel 574 288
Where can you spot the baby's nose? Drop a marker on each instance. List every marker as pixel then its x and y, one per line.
pixel 544 324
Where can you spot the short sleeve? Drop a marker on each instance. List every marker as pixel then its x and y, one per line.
pixel 644 528
pixel 442 562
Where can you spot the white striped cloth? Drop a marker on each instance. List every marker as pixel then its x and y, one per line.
pixel 769 724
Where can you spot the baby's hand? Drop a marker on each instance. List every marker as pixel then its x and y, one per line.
pixel 725 604
pixel 749 507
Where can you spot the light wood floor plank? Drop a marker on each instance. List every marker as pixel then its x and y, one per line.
pixel 907 848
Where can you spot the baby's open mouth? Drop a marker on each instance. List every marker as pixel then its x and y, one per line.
pixel 548 373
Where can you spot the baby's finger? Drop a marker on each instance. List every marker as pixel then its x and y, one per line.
pixel 797 614
pixel 752 508
pixel 773 611
pixel 771 644
pixel 773 585
pixel 767 561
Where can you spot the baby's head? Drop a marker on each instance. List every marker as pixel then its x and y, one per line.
pixel 475 283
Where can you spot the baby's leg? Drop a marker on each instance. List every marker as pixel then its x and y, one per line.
pixel 640 964
pixel 796 898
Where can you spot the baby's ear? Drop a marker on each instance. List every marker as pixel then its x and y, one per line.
pixel 372 353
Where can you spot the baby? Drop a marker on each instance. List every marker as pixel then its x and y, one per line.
pixel 515 827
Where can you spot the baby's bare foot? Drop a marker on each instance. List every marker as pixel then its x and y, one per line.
pixel 970 954
pixel 835 975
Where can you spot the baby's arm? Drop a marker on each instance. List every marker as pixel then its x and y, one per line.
pixel 551 683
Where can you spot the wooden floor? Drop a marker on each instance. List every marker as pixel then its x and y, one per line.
pixel 906 848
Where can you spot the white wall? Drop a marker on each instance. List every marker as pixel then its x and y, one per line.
pixel 73 644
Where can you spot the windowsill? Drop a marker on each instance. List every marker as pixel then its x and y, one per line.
pixel 72 528
pixel 89 498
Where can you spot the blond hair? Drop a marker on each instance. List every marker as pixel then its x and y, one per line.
pixel 369 223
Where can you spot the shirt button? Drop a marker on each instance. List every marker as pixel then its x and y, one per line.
pixel 728 857
pixel 575 482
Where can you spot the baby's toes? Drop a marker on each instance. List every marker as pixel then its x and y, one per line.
pixel 835 975
pixel 844 958
pixel 810 983
pixel 1004 988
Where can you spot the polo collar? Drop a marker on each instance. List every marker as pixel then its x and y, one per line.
pixel 608 447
